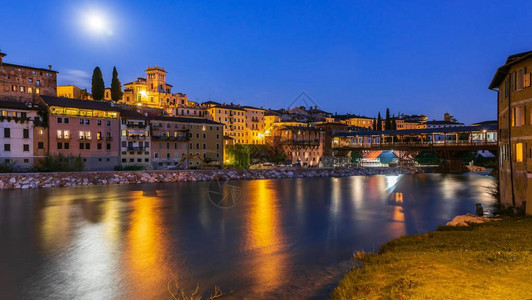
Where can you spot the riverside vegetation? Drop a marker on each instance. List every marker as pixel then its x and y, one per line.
pixel 482 261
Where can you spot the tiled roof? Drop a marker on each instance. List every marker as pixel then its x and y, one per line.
pixel 185 120
pixel 77 103
pixel 502 71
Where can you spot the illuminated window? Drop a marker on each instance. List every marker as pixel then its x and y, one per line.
pixel 519 152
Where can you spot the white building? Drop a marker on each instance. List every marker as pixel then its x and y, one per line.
pixel 16 133
pixel 135 140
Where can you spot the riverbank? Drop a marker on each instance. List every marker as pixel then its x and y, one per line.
pixel 489 261
pixel 47 180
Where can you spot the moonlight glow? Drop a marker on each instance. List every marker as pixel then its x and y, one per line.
pixel 97 23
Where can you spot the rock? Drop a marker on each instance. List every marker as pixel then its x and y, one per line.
pixel 465 220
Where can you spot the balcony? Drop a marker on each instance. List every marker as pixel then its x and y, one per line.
pixel 136 137
pixel 136 148
pixel 85 138
pixel 108 138
pixel 63 138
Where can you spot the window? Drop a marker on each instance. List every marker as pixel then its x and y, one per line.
pixel 67 120
pixel 99 122
pixel 26 148
pixel 40 145
pixel 7 132
pixel 99 146
pixel 87 122
pixel 156 155
pixel 87 146
pixel 519 152
pixel 108 146
pixel 81 146
pixel 7 147
pixel 26 133
pixel 67 146
pixel 59 146
pixel 518 116
pixel 108 123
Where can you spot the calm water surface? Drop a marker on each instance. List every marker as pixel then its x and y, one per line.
pixel 286 238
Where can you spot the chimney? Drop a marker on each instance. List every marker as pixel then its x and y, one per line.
pixel 50 67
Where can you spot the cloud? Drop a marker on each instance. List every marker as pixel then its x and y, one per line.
pixel 78 78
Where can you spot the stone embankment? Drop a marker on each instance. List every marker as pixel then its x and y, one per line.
pixel 46 180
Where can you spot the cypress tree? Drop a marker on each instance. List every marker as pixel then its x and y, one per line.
pixel 98 86
pixel 374 124
pixel 394 124
pixel 116 87
pixel 379 122
pixel 387 123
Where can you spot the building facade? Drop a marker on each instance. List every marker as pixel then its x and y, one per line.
pixel 135 140
pixel 303 145
pixel 232 116
pixel 152 91
pixel 72 92
pixel 254 130
pixel 85 128
pixel 23 83
pixel 512 81
pixel 22 134
pixel 180 142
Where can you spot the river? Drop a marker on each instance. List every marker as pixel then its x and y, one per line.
pixel 275 238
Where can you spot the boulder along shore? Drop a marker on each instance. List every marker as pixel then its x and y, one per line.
pixel 69 179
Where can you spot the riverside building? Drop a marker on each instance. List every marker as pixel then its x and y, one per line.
pixel 22 134
pixel 85 128
pixel 135 140
pixel 512 81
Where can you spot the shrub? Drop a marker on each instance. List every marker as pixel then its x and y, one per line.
pixel 59 163
pixel 7 167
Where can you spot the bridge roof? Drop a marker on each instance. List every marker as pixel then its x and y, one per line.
pixel 464 129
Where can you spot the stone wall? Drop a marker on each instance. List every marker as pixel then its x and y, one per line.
pixel 46 180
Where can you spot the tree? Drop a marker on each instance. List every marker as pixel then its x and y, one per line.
pixel 98 86
pixel 394 124
pixel 379 122
pixel 388 122
pixel 374 124
pixel 240 155
pixel 116 87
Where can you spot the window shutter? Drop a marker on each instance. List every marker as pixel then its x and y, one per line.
pixel 527 80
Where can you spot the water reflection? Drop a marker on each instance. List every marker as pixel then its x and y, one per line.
pixel 146 244
pixel 265 237
pixel 129 241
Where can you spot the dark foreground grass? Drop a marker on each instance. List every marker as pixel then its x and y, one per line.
pixel 487 261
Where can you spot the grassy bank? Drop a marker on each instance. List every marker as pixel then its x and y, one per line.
pixel 487 261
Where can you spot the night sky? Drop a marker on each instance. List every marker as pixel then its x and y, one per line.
pixel 360 57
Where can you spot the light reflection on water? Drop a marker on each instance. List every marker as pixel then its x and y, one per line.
pixel 289 238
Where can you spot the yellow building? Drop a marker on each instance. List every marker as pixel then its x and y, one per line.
pixel 358 121
pixel 254 130
pixel 269 120
pixel 232 116
pixel 72 92
pixel 152 91
pixel 512 81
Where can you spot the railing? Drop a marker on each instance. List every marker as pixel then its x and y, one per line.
pixel 136 137
pixel 136 148
pixel 416 144
pixel 63 138
pixel 85 138
pixel 108 138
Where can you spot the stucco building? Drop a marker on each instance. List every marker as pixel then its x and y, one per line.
pixel 24 83
pixel 512 81
pixel 135 140
pixel 22 134
pixel 90 129
pixel 152 91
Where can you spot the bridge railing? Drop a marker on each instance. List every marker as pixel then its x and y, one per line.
pixel 415 144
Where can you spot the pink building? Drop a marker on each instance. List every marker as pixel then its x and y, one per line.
pixel 90 129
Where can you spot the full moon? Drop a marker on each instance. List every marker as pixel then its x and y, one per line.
pixel 97 23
